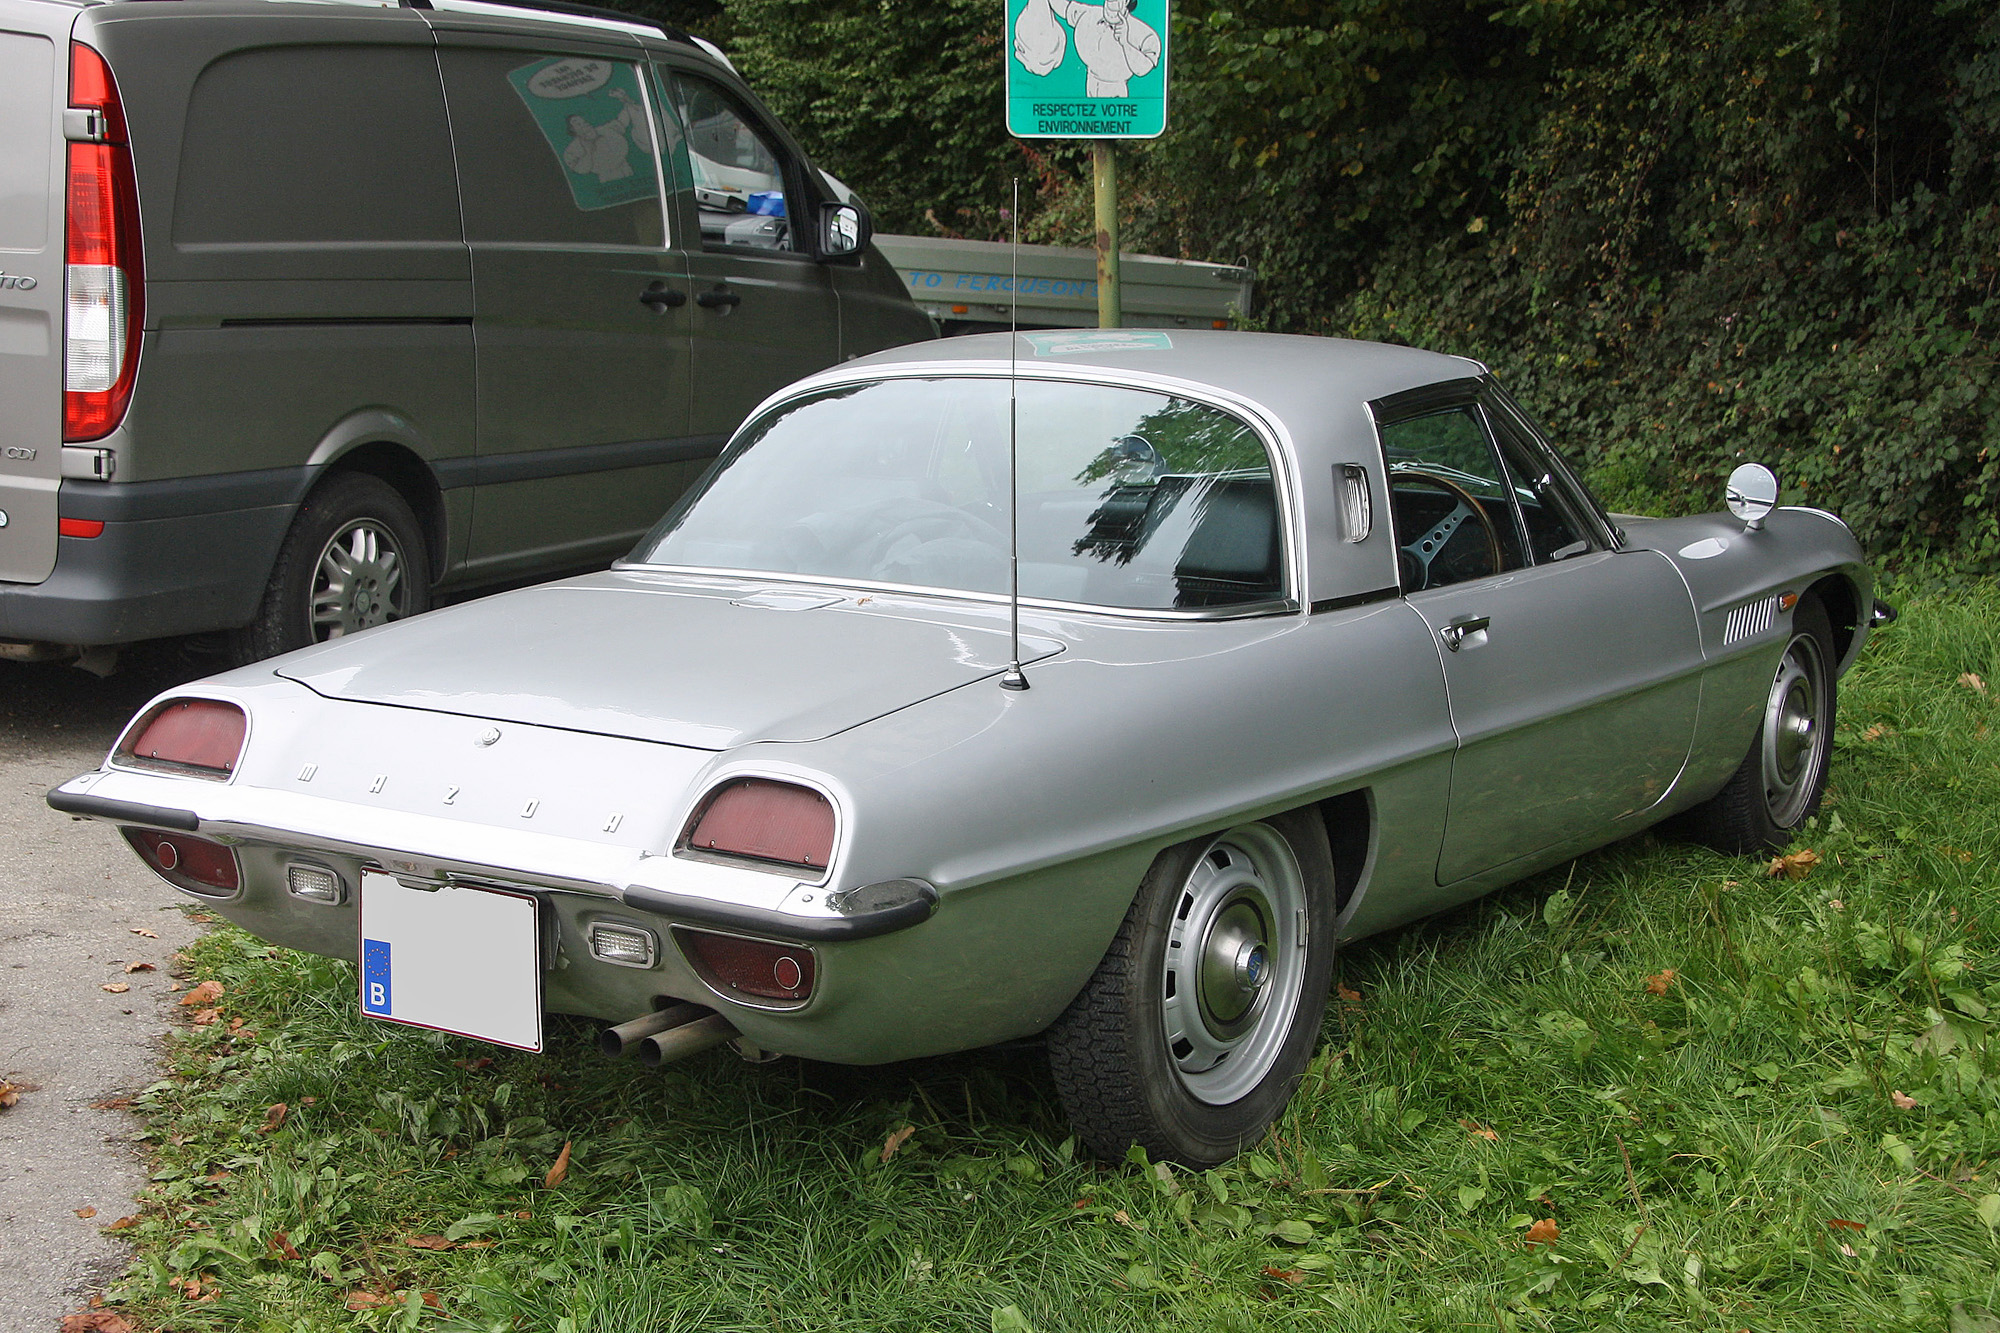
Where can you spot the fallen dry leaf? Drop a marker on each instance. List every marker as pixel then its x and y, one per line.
pixel 371 1300
pixel 274 1118
pixel 429 1243
pixel 86 1212
pixel 1903 1102
pixel 1878 731
pixel 1661 982
pixel 1479 1131
pixel 9 1094
pixel 524 1215
pixel 122 1224
pixel 115 987
pixel 281 1243
pixel 111 1104
pixel 1291 1275
pixel 483 1062
pixel 207 993
pixel 1124 1218
pixel 144 933
pixel 1971 681
pixel 216 1177
pixel 1842 1224
pixel 203 1017
pixel 95 1321
pixel 1084 1202
pixel 1793 865
pixel 895 1141
pixel 140 967
pixel 559 1170
pixel 1848 1250
pixel 1543 1232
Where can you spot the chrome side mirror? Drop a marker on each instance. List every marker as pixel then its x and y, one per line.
pixel 844 232
pixel 1752 493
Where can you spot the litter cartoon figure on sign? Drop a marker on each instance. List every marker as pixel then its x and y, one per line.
pixel 1114 46
pixel 604 151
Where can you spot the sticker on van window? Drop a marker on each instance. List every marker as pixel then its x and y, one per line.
pixel 1083 344
pixel 593 114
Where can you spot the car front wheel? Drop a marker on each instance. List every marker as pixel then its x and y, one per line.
pixel 1191 1035
pixel 1780 782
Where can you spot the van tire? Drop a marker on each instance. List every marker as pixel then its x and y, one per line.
pixel 355 558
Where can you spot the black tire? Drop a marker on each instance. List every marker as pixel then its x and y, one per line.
pixel 380 571
pixel 1123 1078
pixel 1779 784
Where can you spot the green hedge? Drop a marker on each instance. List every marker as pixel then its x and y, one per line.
pixel 1686 234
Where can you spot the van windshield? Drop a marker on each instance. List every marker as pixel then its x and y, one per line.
pixel 1128 498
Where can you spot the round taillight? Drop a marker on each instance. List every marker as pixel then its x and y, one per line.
pixel 194 865
pixel 744 968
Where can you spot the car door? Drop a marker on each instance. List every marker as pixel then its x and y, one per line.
pixel 764 311
pixel 1572 667
pixel 583 323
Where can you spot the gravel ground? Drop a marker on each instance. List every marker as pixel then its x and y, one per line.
pixel 72 901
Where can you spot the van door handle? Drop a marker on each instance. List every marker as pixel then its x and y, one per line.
pixel 662 298
pixel 1458 631
pixel 719 299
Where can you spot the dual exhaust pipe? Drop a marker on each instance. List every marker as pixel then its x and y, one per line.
pixel 668 1034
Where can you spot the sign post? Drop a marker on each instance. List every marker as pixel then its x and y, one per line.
pixel 1083 70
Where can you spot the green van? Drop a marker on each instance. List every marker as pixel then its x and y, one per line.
pixel 310 310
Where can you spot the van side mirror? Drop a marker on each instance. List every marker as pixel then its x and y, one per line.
pixel 844 233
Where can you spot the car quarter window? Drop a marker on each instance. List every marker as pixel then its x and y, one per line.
pixel 554 149
pixel 1552 516
pixel 1127 498
pixel 737 169
pixel 1450 499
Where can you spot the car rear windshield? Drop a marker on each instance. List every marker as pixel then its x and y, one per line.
pixel 1127 498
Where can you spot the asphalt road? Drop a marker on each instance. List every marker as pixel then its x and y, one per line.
pixel 72 898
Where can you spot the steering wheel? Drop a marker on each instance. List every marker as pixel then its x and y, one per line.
pixel 1422 550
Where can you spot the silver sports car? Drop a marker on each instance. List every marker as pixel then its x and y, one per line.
pixel 1094 685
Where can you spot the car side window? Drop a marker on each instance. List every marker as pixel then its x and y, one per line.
pixel 736 169
pixel 554 149
pixel 1450 498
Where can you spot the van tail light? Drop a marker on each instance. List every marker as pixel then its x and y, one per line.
pixel 104 279
pixel 758 968
pixel 187 862
pixel 200 738
pixel 776 822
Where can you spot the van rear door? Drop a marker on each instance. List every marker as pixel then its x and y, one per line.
pixel 34 44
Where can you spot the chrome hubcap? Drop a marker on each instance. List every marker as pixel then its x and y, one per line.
pixel 1235 963
pixel 358 581
pixel 1795 739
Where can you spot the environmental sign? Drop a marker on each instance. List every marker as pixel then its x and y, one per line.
pixel 593 114
pixel 1080 69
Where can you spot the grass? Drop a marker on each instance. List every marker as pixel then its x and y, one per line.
pixel 1745 1102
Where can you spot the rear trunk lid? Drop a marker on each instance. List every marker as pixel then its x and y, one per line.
pixel 621 655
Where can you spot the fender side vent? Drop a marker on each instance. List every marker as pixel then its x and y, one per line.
pixel 1750 619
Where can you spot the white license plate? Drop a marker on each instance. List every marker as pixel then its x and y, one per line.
pixel 454 959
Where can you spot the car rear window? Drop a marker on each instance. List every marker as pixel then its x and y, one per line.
pixel 1128 498
pixel 317 143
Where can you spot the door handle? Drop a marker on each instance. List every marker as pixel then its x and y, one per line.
pixel 662 298
pixel 1458 631
pixel 719 299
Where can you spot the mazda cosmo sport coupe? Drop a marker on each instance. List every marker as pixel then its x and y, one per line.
pixel 1314 638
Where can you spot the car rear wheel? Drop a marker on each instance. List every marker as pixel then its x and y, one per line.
pixel 354 558
pixel 1191 1035
pixel 1780 782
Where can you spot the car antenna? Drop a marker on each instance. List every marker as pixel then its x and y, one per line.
pixel 1014 678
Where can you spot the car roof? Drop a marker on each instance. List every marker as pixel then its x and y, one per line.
pixel 1295 377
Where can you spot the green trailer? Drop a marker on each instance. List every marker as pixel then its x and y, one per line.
pixel 967 286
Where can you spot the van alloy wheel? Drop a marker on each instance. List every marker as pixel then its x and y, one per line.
pixel 358 581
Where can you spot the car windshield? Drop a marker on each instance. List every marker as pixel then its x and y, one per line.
pixel 1127 498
